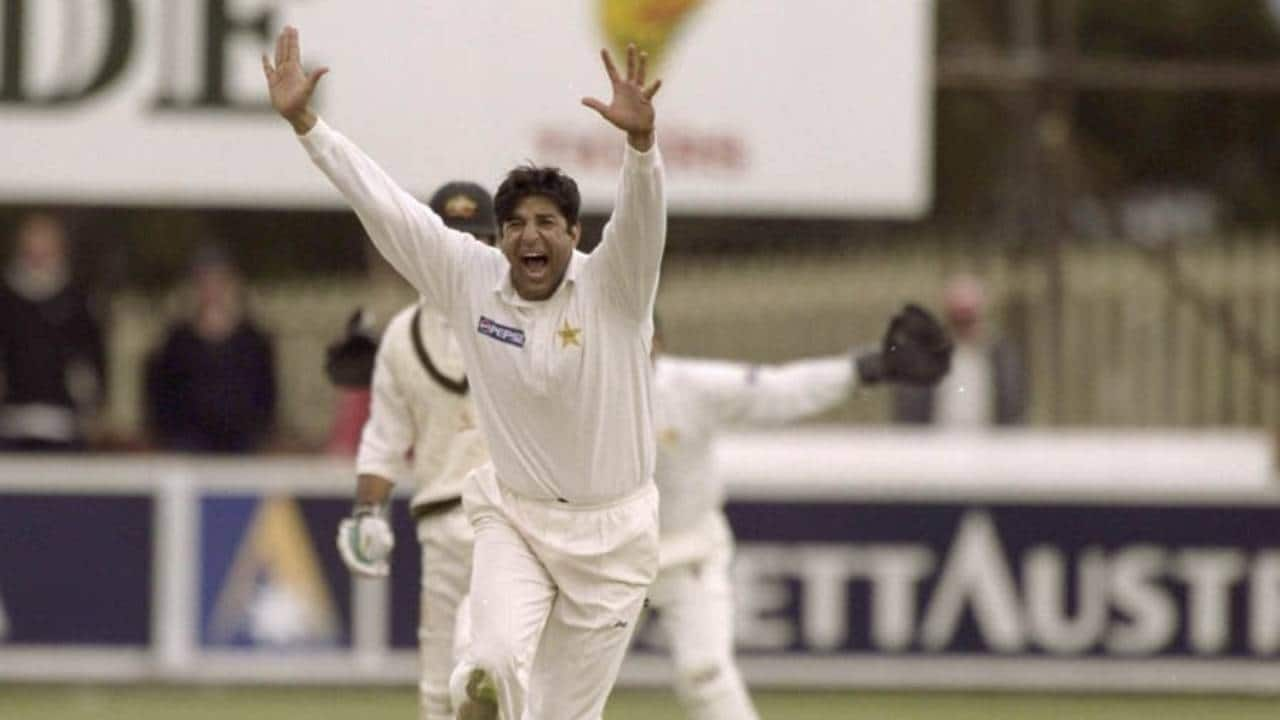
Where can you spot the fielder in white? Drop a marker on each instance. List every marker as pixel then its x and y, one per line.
pixel 422 425
pixel 557 346
pixel 693 400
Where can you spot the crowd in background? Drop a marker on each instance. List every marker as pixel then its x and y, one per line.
pixel 210 383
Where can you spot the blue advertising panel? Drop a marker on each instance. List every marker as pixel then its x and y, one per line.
pixel 270 574
pixel 926 579
pixel 75 569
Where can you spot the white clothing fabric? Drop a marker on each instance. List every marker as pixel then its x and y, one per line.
pixel 445 541
pixel 410 410
pixel 693 603
pixel 561 385
pixel 419 429
pixel 556 590
pixel 964 395
pixel 694 399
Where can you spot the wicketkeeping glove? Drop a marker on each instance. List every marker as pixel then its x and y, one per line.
pixel 916 351
pixel 365 541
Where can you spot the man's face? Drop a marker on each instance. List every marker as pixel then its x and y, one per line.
pixel 539 243
pixel 42 245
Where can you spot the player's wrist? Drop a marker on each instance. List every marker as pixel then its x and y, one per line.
pixel 870 367
pixel 302 121
pixel 641 141
pixel 366 508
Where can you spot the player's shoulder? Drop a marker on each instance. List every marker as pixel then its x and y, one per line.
pixel 399 323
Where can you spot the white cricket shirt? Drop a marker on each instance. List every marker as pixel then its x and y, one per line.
pixel 561 385
pixel 695 399
pixel 419 426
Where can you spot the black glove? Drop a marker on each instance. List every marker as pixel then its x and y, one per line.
pixel 349 361
pixel 916 351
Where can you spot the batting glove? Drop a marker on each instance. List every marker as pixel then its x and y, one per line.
pixel 915 351
pixel 365 541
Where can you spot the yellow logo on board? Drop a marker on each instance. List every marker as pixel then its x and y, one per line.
pixel 275 592
pixel 650 24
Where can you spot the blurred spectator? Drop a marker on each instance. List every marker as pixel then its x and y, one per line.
pixel 211 385
pixel 987 384
pixel 349 365
pixel 52 362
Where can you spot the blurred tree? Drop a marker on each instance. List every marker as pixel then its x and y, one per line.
pixel 1126 139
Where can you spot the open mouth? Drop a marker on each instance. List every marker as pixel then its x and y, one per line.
pixel 535 264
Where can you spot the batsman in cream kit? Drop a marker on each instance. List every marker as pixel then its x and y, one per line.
pixel 556 344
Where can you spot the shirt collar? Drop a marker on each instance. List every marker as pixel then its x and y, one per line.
pixel 508 293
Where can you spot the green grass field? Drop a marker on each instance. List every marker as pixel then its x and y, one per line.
pixel 63 702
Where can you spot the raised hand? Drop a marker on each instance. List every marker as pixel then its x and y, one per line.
pixel 290 86
pixel 631 107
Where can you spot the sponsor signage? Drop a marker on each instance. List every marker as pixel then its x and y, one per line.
pixel 798 107
pixel 75 570
pixel 270 575
pixel 922 579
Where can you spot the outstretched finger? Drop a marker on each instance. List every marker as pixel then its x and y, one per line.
pixel 631 62
pixel 266 67
pixel 595 104
pixel 314 78
pixel 641 66
pixel 282 47
pixel 294 52
pixel 653 89
pixel 608 66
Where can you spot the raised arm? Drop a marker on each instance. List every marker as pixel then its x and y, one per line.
pixel 775 394
pixel 630 252
pixel 409 235
pixel 916 350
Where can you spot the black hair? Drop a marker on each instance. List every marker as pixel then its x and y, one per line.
pixel 529 180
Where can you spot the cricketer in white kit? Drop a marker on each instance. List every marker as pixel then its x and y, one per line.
pixel 557 346
pixel 422 425
pixel 694 399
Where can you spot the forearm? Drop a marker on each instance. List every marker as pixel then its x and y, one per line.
pixel 804 388
pixel 635 238
pixel 411 237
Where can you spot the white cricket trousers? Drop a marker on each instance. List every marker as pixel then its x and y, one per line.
pixel 556 590
pixel 693 602
pixel 445 542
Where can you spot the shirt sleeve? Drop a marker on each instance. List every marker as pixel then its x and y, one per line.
pixel 389 433
pixel 629 256
pixel 776 394
pixel 416 242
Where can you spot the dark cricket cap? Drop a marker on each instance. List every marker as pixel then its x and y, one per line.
pixel 467 207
